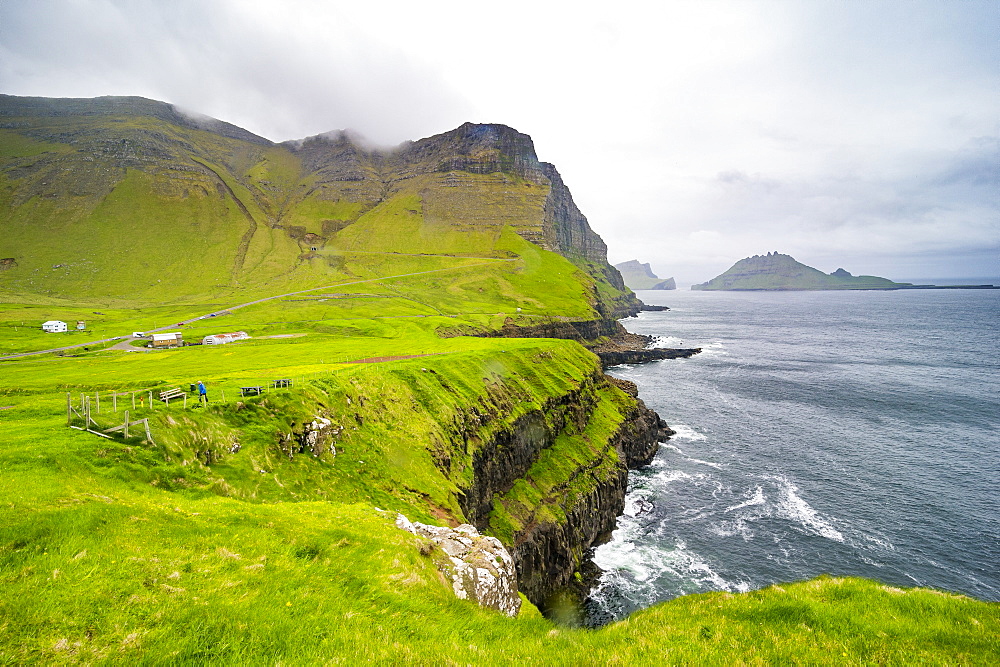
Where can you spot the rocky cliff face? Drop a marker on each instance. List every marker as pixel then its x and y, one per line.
pixel 579 494
pixel 437 165
pixel 566 228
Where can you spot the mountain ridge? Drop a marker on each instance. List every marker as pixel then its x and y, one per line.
pixel 78 175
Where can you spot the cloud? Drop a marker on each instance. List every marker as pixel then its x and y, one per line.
pixel 280 71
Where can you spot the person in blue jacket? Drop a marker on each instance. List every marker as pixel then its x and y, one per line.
pixel 202 393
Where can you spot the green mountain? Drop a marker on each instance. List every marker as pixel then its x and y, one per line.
pixel 640 276
pixel 134 200
pixel 775 271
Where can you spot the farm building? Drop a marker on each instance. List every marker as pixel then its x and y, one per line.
pixel 223 338
pixel 168 339
pixel 81 325
pixel 54 326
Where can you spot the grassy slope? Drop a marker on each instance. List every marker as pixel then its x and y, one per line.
pixel 117 551
pixel 131 210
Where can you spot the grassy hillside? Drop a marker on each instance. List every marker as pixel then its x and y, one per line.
pixel 124 201
pixel 114 551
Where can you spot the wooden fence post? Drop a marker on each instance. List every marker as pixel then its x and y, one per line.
pixel 185 401
pixel 126 425
pixel 97 395
pixel 150 400
pixel 133 401
pixel 69 409
pixel 114 402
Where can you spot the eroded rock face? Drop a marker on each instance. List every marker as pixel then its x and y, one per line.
pixel 317 437
pixel 478 566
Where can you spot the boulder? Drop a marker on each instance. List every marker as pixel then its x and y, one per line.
pixel 478 566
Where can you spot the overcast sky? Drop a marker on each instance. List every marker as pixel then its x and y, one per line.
pixel 854 133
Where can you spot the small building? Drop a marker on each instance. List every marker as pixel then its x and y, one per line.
pixel 223 338
pixel 168 339
pixel 81 325
pixel 54 326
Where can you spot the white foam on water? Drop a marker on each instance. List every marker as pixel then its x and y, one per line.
pixel 715 348
pixel 673 447
pixel 732 529
pixel 636 504
pixel 685 432
pixel 667 476
pixel 780 501
pixel 881 542
pixel 706 463
pixel 756 499
pixel 667 341
pixel 791 506
pixel 634 570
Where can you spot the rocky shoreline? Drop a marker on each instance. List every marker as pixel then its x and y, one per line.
pixel 624 347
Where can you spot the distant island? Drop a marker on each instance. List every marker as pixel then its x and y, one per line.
pixel 775 271
pixel 640 276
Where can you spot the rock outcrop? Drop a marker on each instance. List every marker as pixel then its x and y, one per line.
pixel 316 437
pixel 477 566
pixel 616 357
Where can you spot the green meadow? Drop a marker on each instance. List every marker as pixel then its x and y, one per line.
pixel 114 550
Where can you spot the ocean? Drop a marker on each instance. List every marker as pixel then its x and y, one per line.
pixel 847 433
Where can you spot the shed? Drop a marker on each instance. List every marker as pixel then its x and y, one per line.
pixel 223 338
pixel 54 326
pixel 80 324
pixel 168 339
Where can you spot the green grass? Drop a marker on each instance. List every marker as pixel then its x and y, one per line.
pixel 114 551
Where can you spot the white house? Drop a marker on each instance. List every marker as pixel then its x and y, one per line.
pixel 223 338
pixel 54 326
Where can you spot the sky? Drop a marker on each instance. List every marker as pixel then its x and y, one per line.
pixel 862 134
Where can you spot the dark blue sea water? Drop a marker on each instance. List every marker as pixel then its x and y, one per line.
pixel 849 433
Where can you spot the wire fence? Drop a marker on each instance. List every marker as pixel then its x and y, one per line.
pixel 113 413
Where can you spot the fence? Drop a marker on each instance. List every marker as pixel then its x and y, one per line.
pixel 122 407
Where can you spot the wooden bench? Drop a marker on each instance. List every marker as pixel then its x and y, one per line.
pixel 251 391
pixel 165 396
pixel 280 384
